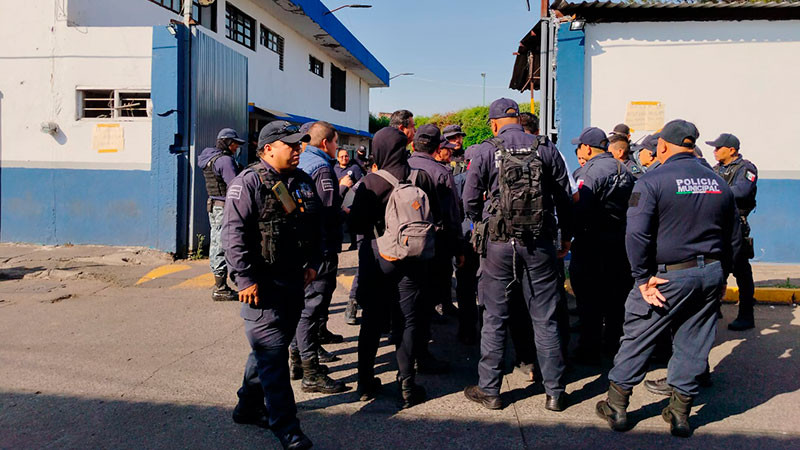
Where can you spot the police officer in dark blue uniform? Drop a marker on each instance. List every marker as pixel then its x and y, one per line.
pixel 741 175
pixel 525 179
pixel 270 233
pixel 449 240
pixel 219 168
pixel 682 239
pixel 619 145
pixel 645 153
pixel 599 269
pixel 317 161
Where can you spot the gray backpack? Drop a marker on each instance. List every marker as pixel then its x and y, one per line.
pixel 410 231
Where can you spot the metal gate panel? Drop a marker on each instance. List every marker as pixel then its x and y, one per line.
pixel 218 100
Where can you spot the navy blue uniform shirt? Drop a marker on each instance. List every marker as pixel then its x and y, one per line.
pixel 679 212
pixel 482 177
pixel 743 183
pixel 603 200
pixel 352 169
pixel 241 237
pixel 225 166
pixel 448 197
pixel 319 165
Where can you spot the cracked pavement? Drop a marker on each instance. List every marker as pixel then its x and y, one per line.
pixel 90 359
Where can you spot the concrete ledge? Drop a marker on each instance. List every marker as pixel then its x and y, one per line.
pixel 766 295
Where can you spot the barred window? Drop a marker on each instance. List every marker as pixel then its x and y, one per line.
pixel 239 27
pixel 316 66
pixel 203 15
pixel 113 104
pixel 274 42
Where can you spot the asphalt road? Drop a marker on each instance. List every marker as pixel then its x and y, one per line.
pixel 90 359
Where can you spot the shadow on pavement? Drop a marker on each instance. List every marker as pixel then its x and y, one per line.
pixel 37 421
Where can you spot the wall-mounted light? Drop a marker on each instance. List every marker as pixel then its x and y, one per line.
pixel 577 25
pixel 171 29
pixel 49 128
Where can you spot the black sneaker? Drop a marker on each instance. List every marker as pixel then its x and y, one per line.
pixel 224 294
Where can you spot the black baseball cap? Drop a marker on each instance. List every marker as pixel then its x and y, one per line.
pixel 306 126
pixel 498 109
pixel 427 133
pixel 679 132
pixel 621 130
pixel 593 137
pixel 281 130
pixel 725 140
pixel 649 143
pixel 230 133
pixel 447 144
pixel 451 131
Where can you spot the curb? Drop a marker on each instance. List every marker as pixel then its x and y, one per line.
pixel 774 296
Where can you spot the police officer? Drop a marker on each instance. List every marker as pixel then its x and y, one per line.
pixel 645 153
pixel 219 168
pixel 270 234
pixel 741 175
pixel 317 161
pixel 599 270
pixel 449 240
pixel 525 180
pixel 682 238
pixel 388 288
pixel 348 173
pixel 619 145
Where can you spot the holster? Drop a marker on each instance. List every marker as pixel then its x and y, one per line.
pixel 747 241
pixel 479 238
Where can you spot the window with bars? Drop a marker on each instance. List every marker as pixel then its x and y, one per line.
pixel 239 27
pixel 113 104
pixel 274 42
pixel 338 88
pixel 203 15
pixel 316 66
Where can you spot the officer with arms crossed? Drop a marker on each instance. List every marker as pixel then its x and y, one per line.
pixel 270 233
pixel 682 239
pixel 219 168
pixel 741 175
pixel 599 270
pixel 317 161
pixel 525 178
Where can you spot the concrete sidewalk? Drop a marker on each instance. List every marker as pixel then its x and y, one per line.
pixel 91 359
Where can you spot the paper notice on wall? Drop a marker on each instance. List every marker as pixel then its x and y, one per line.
pixel 645 116
pixel 108 138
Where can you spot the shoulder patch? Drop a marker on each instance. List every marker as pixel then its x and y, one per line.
pixel 234 192
pixel 327 185
pixel 751 177
pixel 634 200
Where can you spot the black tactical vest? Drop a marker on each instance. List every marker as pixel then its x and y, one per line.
pixel 518 211
pixel 215 184
pixel 728 173
pixel 287 240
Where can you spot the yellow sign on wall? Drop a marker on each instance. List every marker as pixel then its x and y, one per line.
pixel 108 138
pixel 645 116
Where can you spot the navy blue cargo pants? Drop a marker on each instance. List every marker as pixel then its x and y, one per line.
pixel 318 297
pixel 693 297
pixel 511 268
pixel 269 329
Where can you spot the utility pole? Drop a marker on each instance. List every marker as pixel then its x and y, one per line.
pixel 187 12
pixel 484 88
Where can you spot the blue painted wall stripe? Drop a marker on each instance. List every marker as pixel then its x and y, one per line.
pixel 569 90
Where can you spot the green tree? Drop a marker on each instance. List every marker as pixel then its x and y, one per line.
pixel 473 121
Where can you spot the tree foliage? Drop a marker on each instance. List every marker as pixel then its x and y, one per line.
pixel 473 121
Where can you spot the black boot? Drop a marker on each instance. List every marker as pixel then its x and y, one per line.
pixel 295 441
pixel 411 393
pixel 350 312
pixel 245 415
pixel 677 414
pixel 316 381
pixel 222 292
pixel 326 356
pixel 658 387
pixel 369 390
pixel 614 409
pixel 326 337
pixel 295 365
pixel 744 320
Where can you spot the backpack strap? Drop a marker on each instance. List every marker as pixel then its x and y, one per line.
pixel 386 175
pixel 413 177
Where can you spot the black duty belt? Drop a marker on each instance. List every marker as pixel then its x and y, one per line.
pixel 699 261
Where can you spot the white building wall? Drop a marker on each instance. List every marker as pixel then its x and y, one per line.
pixel 51 48
pixel 738 77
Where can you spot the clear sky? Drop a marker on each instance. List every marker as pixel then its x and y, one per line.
pixel 446 44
